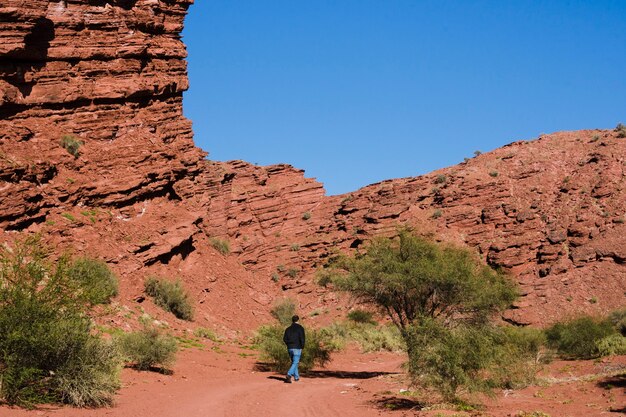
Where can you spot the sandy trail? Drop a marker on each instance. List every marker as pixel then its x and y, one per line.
pixel 223 382
pixel 214 385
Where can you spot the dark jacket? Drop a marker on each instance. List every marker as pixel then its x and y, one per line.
pixel 294 336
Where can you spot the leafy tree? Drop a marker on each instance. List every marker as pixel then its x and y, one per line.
pixel 441 298
pixel 411 279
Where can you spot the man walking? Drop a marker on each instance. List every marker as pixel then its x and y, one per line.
pixel 294 339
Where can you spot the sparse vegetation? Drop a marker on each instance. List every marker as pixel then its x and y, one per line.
pixel 361 316
pixel 621 130
pixel 283 311
pixel 306 215
pixel 493 174
pixel 71 144
pixel 371 337
pixel 292 272
pixel 275 277
pixel 440 179
pixel 477 153
pixel 148 348
pixel 221 245
pixel 578 338
pixel 437 214
pixel 48 352
pixel 171 296
pixel 69 217
pixel 205 333
pixel 99 283
pixel 295 247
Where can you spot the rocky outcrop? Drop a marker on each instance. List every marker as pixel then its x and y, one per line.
pixel 96 155
pixel 108 75
pixel 550 211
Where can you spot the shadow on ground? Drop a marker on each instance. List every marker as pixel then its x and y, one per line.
pixel 265 367
pixel 395 403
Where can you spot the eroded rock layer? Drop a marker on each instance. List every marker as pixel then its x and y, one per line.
pixel 107 77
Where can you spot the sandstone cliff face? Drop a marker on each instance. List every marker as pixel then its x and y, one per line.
pixel 109 74
pixel 139 194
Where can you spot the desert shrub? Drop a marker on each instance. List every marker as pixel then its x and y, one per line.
pixel 621 130
pixel 98 282
pixel 148 348
pixel 578 338
pixel 493 173
pixel 614 344
pixel 476 358
pixel 171 296
pixel 221 245
pixel 205 333
pixel 71 144
pixel 306 215
pixel 92 380
pixel 517 358
pixel 47 350
pixel 361 316
pixel 437 214
pixel 369 336
pixel 283 311
pixel 618 319
pixel 440 179
pixel 317 348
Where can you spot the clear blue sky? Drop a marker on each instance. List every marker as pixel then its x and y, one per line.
pixel 357 91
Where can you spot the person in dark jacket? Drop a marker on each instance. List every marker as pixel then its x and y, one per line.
pixel 294 339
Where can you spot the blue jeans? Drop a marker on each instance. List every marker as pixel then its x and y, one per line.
pixel 294 354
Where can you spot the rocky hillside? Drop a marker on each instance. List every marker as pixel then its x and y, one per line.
pixel 108 77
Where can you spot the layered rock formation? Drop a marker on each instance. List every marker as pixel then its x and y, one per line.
pixel 109 74
pixel 108 77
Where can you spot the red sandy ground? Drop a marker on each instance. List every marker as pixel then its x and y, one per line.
pixel 221 380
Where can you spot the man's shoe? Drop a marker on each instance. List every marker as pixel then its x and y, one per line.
pixel 288 379
pixel 296 379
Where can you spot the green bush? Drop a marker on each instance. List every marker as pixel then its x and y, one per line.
pixel 578 338
pixel 361 316
pixel 369 336
pixel 221 245
pixel 621 130
pixel 71 144
pixel 476 358
pixel 47 350
pixel 283 311
pixel 317 348
pixel 99 283
pixel 614 344
pixel 92 380
pixel 205 333
pixel 148 348
pixel 618 319
pixel 171 296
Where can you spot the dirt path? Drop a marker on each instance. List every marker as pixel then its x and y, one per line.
pixel 216 383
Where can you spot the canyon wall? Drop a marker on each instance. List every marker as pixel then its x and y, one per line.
pixel 108 76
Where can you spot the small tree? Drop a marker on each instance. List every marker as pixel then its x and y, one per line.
pixel 411 278
pixel 441 299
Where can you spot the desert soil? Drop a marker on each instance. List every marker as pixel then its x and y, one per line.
pixel 221 380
